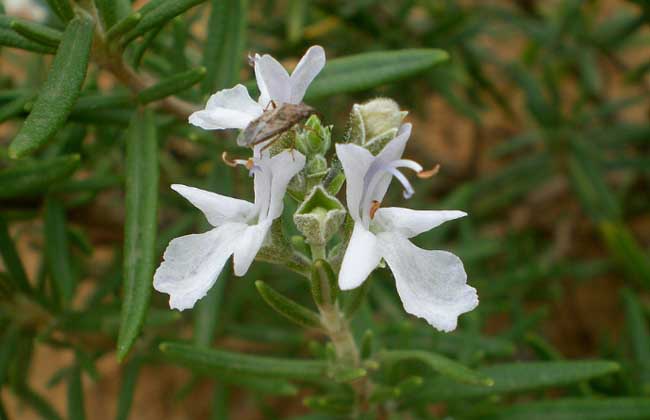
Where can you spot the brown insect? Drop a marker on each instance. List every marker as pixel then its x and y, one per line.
pixel 274 122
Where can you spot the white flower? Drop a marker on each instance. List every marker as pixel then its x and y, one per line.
pixel 192 263
pixel 431 284
pixel 234 108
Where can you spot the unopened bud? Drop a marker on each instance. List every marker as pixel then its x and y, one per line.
pixel 375 123
pixel 314 137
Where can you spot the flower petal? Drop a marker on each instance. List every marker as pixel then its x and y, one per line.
pixel 228 108
pixel 274 78
pixel 217 208
pixel 192 264
pixel 361 257
pixel 431 284
pixel 392 151
pixel 411 223
pixel 248 245
pixel 236 98
pixel 220 119
pixel 305 72
pixel 280 168
pixel 395 148
pixel 264 97
pixel 355 160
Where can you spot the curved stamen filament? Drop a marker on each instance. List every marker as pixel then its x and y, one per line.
pixel 428 174
pixel 247 163
pixel 378 168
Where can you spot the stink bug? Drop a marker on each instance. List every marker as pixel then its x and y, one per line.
pixel 273 122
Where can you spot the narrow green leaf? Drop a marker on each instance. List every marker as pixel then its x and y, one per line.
pixel 626 249
pixel 287 307
pixel 590 79
pixel 15 107
pixel 61 8
pixel 26 179
pixel 438 363
pixel 60 91
pixel 157 13
pixel 140 227
pixel 119 117
pixel 143 46
pixel 103 101
pixel 123 26
pixel 112 11
pixel 578 409
pixel 57 252
pixel 172 85
pixel 538 104
pixel 76 409
pixel 355 298
pixel 224 46
pixel 219 408
pixel 80 240
pixel 262 385
pixel 324 288
pixel 8 346
pixel 368 70
pixel 10 38
pixel 206 313
pixel 130 374
pixel 594 194
pixel 367 344
pixel 3 412
pixel 335 404
pixel 213 361
pixel 11 259
pixel 296 19
pixel 37 32
pixel 517 377
pixel 37 403
pixel 639 335
pixel 459 340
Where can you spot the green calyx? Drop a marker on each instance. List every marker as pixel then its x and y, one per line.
pixel 319 216
pixel 375 123
pixel 314 138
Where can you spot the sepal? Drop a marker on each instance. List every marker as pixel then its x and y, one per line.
pixel 319 216
pixel 374 123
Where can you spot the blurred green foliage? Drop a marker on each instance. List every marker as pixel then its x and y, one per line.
pixel 100 132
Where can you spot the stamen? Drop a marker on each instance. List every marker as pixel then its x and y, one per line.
pixel 373 177
pixel 226 159
pixel 248 163
pixel 430 173
pixel 374 207
pixel 408 188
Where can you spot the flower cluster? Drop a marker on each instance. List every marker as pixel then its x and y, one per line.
pixel 431 284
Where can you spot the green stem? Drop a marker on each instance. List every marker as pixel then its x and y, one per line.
pixel 318 252
pixel 110 57
pixel 338 330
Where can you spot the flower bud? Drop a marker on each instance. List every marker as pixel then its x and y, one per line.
pixel 375 123
pixel 316 167
pixel 319 216
pixel 314 137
